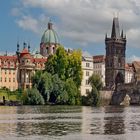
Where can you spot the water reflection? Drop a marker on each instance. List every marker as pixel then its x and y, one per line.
pixel 51 121
pixel 114 124
pixel 69 122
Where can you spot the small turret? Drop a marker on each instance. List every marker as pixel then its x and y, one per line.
pixel 18 47
pixel 24 45
pixel 122 34
pixel 29 47
pixel 106 36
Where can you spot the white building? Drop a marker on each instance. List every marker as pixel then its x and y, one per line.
pixel 99 66
pixel 129 73
pixel 87 67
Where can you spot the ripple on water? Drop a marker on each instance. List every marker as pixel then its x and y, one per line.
pixel 69 122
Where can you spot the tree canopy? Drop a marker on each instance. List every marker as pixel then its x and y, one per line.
pixel 60 81
pixel 66 65
pixel 93 97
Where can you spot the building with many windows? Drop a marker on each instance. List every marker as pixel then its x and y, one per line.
pixel 129 73
pixel 16 71
pixel 99 67
pixel 87 67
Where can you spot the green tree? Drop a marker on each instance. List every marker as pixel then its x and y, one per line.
pixel 57 90
pixel 95 81
pixel 71 89
pixel 43 82
pixel 57 63
pixel 50 65
pixel 74 69
pixel 32 97
pixel 93 97
pixel 36 79
pixel 69 94
pixel 66 65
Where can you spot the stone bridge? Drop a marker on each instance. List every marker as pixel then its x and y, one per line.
pixel 131 89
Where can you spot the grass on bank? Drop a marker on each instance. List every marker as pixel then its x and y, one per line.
pixel 8 95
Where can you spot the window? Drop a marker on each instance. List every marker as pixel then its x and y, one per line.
pixel 87 91
pixel 87 83
pixel 87 73
pixel 13 79
pixel 87 64
pixel 5 79
pixel 9 71
pixel 9 79
pixel 1 79
pixel 5 71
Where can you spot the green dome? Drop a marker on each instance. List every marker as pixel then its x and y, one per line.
pixel 49 36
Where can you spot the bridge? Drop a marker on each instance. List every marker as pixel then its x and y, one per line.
pixel 131 89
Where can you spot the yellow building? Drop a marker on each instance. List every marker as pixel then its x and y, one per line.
pixel 16 71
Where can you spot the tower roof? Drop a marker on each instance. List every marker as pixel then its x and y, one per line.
pixel 50 36
pixel 115 28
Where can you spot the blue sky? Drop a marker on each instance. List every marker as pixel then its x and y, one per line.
pixel 79 23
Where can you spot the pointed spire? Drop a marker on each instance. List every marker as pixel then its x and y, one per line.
pixel 17 46
pixel 24 45
pixel 115 28
pixel 106 36
pixel 29 47
pixel 125 36
pixel 122 34
pixel 50 25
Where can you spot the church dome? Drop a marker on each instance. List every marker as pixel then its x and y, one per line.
pixel 50 36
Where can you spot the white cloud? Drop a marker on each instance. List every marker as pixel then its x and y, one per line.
pixel 133 58
pixel 28 23
pixel 85 21
pixel 85 53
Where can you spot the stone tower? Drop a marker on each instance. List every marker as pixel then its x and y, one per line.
pixel 115 56
pixel 49 41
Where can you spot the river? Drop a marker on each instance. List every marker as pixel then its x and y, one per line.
pixel 69 123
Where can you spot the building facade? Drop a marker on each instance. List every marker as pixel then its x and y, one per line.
pixel 16 71
pixel 87 67
pixel 99 67
pixel 129 73
pixel 115 56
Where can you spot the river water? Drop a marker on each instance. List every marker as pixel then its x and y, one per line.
pixel 69 123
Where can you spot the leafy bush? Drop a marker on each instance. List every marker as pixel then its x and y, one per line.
pixel 93 97
pixel 32 97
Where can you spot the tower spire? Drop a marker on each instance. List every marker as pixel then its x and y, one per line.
pixel 50 25
pixel 17 46
pixel 29 47
pixel 115 28
pixel 122 34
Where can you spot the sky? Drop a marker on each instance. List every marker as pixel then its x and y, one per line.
pixel 78 23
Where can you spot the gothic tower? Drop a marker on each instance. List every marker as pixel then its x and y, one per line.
pixel 49 41
pixel 115 56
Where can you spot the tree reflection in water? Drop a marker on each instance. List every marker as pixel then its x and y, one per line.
pixel 114 120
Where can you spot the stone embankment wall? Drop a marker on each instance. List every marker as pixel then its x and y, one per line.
pixel 133 90
pixel 106 96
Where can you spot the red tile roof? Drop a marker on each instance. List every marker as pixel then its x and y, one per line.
pixel 42 60
pixel 8 57
pixel 98 58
